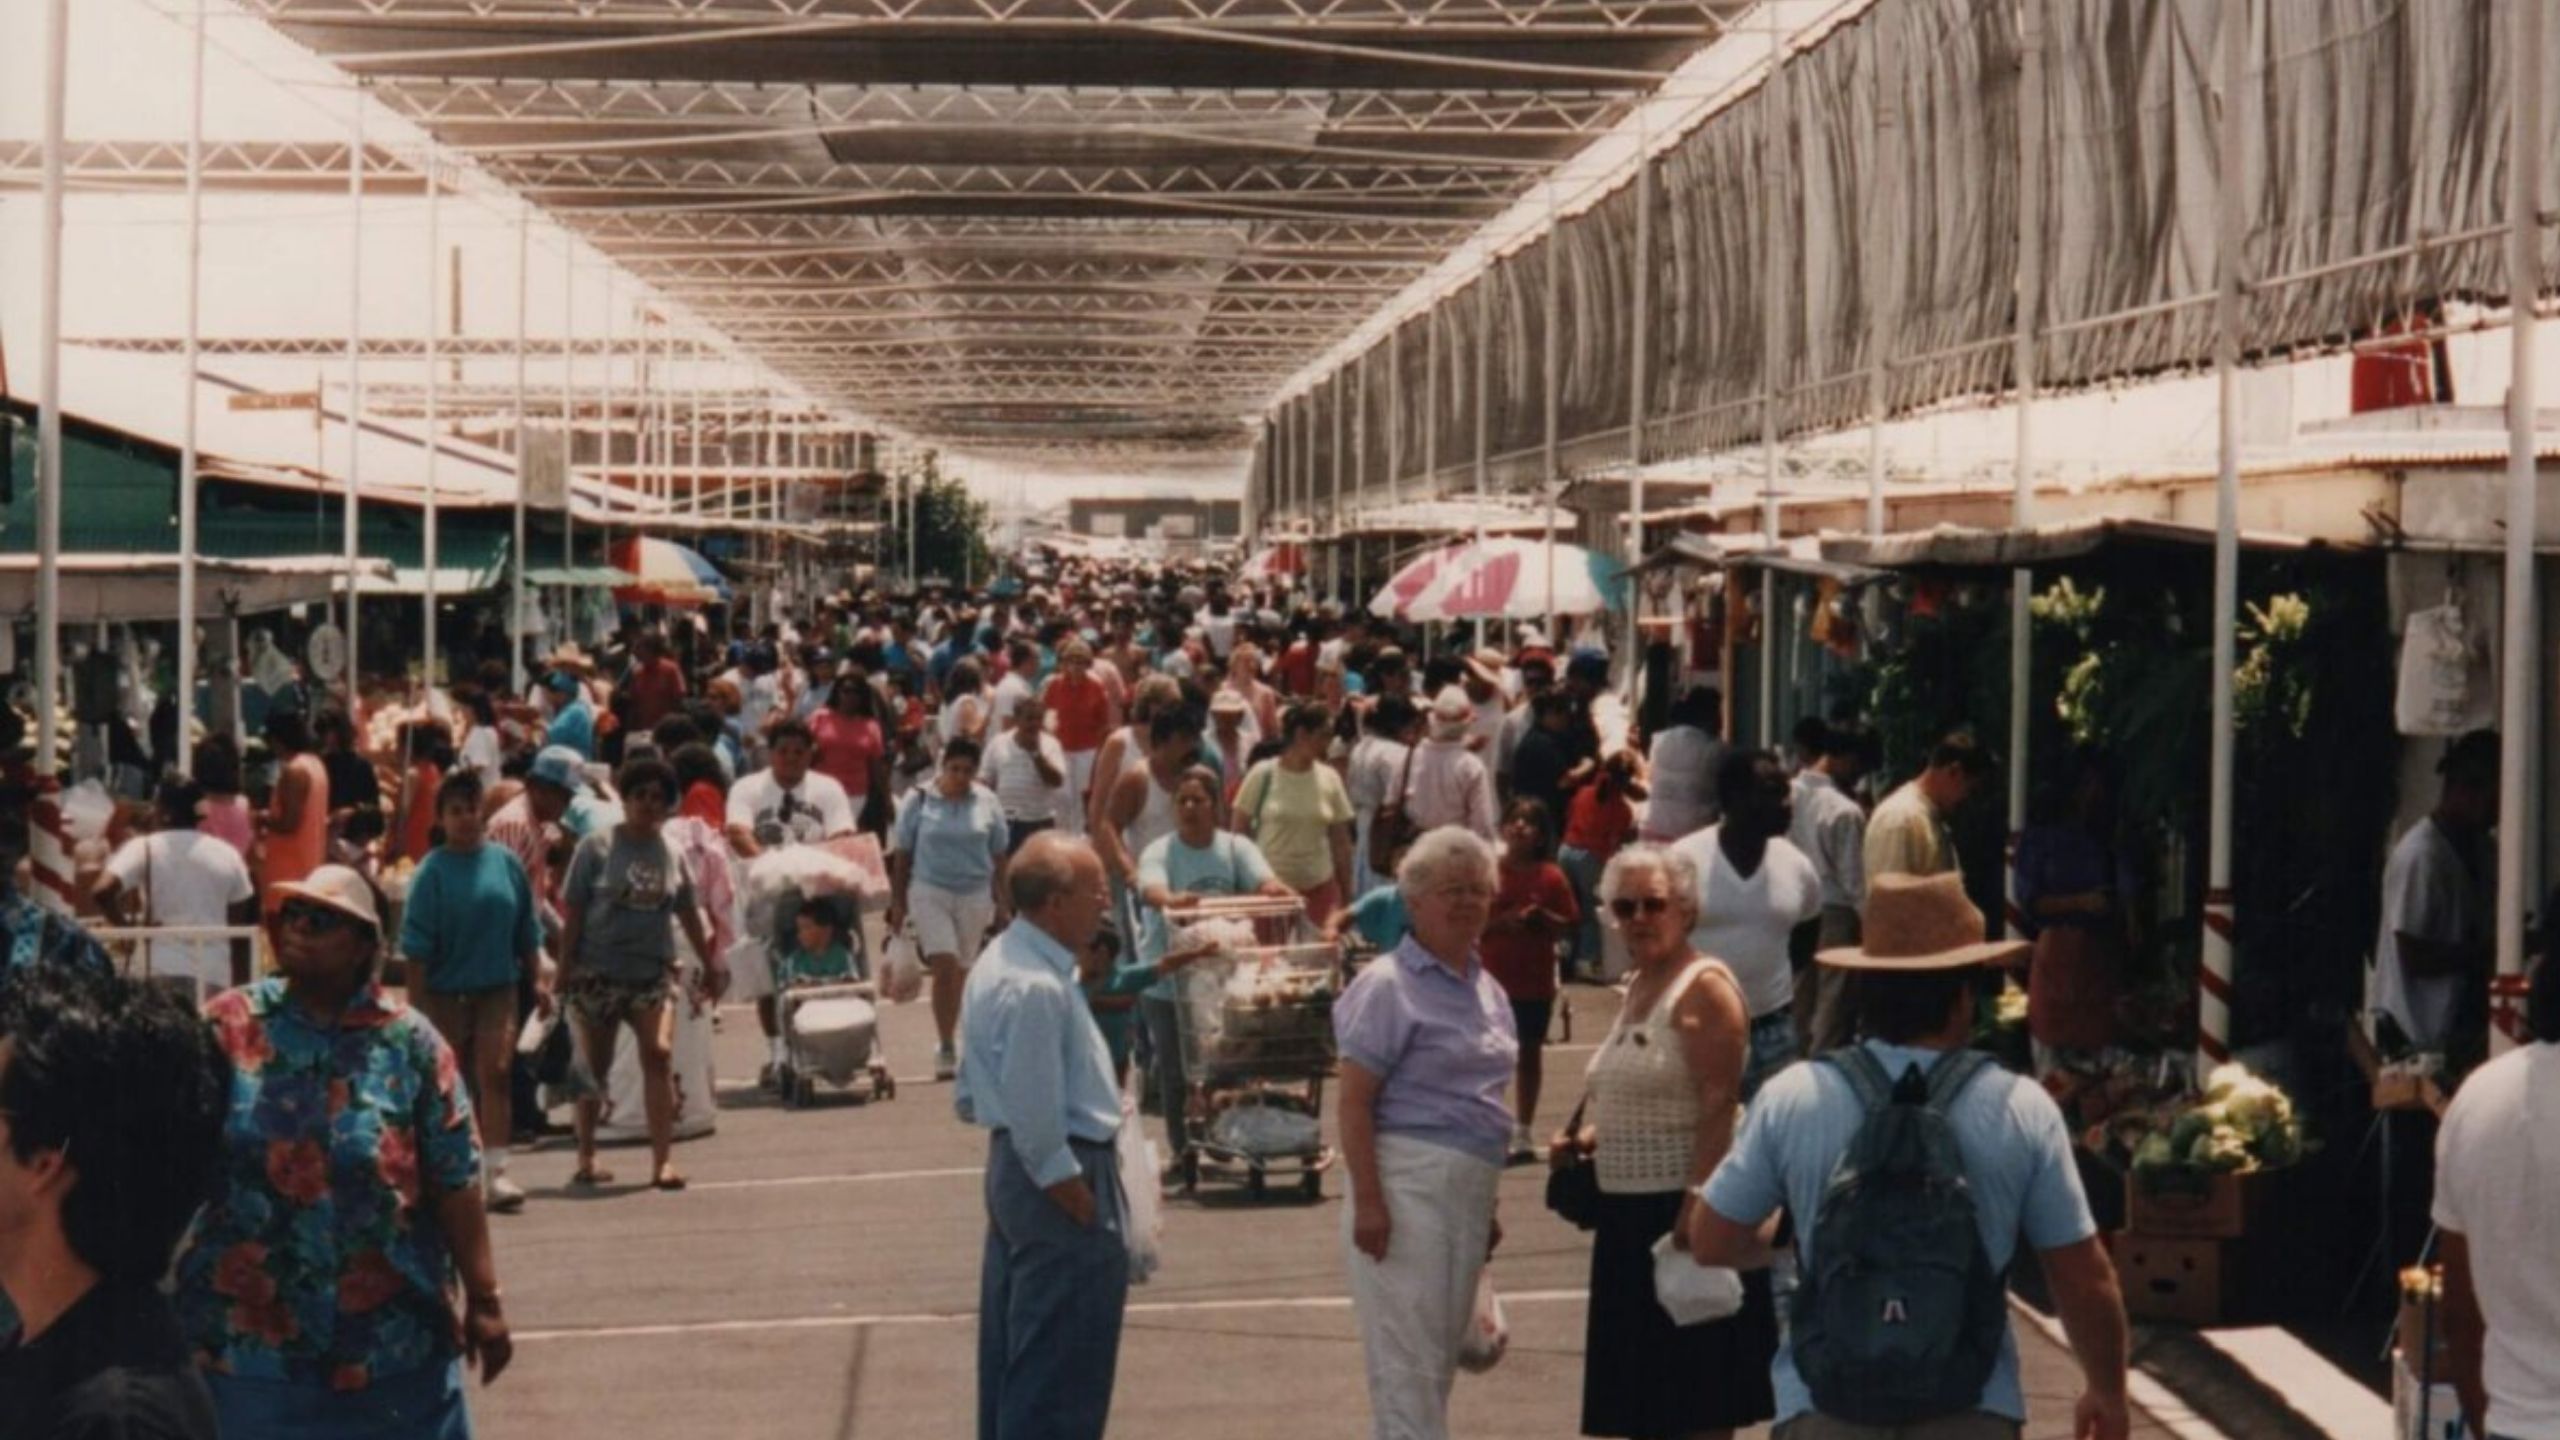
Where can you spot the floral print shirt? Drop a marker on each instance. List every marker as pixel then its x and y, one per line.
pixel 36 935
pixel 319 1260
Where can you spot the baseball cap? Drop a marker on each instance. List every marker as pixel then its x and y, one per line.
pixel 559 765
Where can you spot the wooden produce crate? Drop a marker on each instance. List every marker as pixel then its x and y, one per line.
pixel 2187 1282
pixel 2197 1205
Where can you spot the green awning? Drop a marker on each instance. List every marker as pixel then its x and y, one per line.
pixel 590 577
pixel 477 564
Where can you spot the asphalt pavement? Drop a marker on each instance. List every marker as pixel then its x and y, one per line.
pixel 819 1279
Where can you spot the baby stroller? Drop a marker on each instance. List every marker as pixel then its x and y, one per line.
pixel 830 1026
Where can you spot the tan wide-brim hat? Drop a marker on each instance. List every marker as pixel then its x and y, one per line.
pixel 339 888
pixel 1921 922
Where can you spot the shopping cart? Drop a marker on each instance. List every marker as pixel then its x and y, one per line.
pixel 1255 1024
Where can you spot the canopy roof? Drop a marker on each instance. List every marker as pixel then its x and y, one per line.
pixel 989 221
pixel 1961 547
pixel 131 588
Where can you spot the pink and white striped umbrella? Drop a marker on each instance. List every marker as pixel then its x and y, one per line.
pixel 1508 578
pixel 1286 558
pixel 1395 602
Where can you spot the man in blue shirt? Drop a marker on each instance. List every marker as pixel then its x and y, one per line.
pixel 573 722
pixel 1923 961
pixel 1034 1071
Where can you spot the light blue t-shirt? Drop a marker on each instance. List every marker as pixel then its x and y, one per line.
pixel 2017 1154
pixel 470 919
pixel 1231 865
pixel 955 843
pixel 1380 916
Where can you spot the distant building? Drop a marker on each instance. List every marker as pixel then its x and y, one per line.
pixel 1177 523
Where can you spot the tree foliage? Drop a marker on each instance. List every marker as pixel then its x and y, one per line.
pixel 951 527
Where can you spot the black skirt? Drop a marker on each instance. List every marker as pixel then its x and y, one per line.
pixel 1644 1377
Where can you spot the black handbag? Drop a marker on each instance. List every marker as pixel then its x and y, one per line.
pixel 1573 1188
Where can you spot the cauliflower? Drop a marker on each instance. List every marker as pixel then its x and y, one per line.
pixel 2224 1149
pixel 2154 1153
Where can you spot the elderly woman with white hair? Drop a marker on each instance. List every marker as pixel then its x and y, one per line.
pixel 1665 1090
pixel 1427 1054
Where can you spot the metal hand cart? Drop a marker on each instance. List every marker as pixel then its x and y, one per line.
pixel 1256 1030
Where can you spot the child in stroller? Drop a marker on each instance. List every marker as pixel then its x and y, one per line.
pixel 829 1010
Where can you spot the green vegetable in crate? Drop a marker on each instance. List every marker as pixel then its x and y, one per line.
pixel 2189 1131
pixel 2155 1153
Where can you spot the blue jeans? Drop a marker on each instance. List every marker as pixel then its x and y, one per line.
pixel 1050 1301
pixel 1583 869
pixel 1164 1068
pixel 1773 1048
pixel 422 1405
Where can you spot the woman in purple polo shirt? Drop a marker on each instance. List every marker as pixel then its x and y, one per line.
pixel 1427 1051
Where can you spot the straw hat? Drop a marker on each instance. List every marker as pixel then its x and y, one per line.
pixel 1452 712
pixel 567 657
pixel 1488 665
pixel 1921 922
pixel 339 888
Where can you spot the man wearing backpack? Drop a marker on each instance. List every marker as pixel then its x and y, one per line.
pixel 1914 1170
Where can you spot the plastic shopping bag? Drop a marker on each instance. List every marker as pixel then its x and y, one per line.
pixel 1488 1331
pixel 902 971
pixel 750 969
pixel 1691 1293
pixel 1145 1220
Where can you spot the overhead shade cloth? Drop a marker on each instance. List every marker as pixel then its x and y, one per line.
pixel 589 577
pixel 1962 547
pixel 143 588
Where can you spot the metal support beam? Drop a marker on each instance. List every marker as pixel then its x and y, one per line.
pixel 2213 1019
pixel 352 520
pixel 2519 821
pixel 49 476
pixel 1773 111
pixel 2031 238
pixel 1640 365
pixel 435 381
pixel 184 760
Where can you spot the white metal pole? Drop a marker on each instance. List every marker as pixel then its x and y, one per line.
pixel 352 520
pixel 2031 234
pixel 49 478
pixel 609 418
pixel 1333 512
pixel 2213 1018
pixel 569 401
pixel 435 381
pixel 1395 420
pixel 1640 368
pixel 517 625
pixel 184 760
pixel 1772 316
pixel 1876 264
pixel 1551 402
pixel 2517 820
pixel 1484 428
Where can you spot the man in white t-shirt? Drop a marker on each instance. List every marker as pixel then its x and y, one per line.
pixel 2434 939
pixel 1754 889
pixel 1021 682
pixel 1028 768
pixel 182 876
pixel 789 803
pixel 2497 1169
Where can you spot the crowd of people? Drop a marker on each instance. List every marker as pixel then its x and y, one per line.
pixel 1057 772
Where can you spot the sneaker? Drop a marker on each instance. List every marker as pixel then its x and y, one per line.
pixel 1521 1146
pixel 946 1063
pixel 770 1077
pixel 506 1197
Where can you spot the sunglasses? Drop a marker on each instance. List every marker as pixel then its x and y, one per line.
pixel 317 918
pixel 1628 908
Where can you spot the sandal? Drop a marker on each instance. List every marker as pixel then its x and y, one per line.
pixel 668 1180
pixel 589 1177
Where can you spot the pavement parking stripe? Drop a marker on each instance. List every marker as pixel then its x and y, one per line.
pixel 954 1317
pixel 876 1177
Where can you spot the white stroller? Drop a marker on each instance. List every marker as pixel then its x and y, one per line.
pixel 831 1031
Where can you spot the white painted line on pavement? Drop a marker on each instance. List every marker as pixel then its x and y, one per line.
pixel 954 1317
pixel 874 1177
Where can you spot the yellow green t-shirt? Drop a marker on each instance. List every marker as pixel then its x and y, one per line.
pixel 1292 814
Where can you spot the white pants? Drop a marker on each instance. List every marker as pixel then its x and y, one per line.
pixel 1071 811
pixel 949 922
pixel 1415 1305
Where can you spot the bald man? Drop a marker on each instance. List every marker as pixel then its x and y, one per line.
pixel 1034 1071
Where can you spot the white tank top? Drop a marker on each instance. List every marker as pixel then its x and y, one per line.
pixel 950 722
pixel 1644 1102
pixel 1155 818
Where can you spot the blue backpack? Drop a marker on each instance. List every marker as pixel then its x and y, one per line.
pixel 1901 1317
